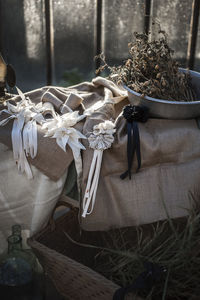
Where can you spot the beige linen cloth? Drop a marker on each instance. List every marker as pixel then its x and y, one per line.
pixel 23 201
pixel 30 202
pixel 170 171
pixel 170 153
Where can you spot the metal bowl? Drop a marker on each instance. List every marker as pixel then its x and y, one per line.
pixel 166 109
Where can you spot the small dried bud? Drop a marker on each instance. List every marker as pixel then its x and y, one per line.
pixel 149 52
pixel 156 67
pixel 156 82
pixel 136 89
pixel 158 75
pixel 146 83
pixel 128 63
pixel 144 66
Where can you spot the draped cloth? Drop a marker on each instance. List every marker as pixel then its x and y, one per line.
pixel 166 184
pixel 170 159
pixel 30 202
pixel 86 97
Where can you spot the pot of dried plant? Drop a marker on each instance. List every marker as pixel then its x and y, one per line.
pixel 161 108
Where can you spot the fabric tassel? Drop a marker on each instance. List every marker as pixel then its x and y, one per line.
pixel 100 140
pixel 26 115
pixel 133 115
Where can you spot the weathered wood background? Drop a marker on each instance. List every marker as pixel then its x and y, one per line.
pixel 45 39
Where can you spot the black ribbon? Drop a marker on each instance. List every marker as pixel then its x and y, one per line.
pixel 145 281
pixel 133 115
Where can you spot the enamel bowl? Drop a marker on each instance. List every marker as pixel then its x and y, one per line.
pixel 160 108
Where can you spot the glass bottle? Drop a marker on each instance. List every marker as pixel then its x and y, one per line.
pixel 16 230
pixel 17 269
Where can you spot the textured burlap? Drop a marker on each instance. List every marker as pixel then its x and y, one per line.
pixel 30 202
pixel 51 160
pixel 170 151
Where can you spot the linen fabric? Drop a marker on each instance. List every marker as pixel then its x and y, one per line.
pixel 30 202
pixel 23 201
pixel 170 159
pixel 51 160
pixel 169 174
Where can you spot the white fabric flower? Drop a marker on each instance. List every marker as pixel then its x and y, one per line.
pixel 60 128
pixel 102 135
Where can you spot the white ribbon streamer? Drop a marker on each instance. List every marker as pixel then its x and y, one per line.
pixel 100 140
pixel 26 115
pixel 61 129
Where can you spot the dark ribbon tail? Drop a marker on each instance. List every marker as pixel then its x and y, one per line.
pixel 137 143
pixel 133 145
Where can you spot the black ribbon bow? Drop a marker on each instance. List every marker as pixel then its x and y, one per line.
pixel 134 114
pixel 145 281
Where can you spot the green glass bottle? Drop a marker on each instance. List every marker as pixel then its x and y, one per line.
pixel 17 269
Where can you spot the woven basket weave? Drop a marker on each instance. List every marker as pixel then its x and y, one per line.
pixel 69 265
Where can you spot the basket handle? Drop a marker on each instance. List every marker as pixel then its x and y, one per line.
pixel 63 201
pixel 68 202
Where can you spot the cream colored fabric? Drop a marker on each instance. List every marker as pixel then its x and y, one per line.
pixel 22 201
pixel 30 202
pixel 51 160
pixel 170 151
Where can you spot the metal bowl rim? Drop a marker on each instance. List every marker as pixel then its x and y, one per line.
pixel 167 101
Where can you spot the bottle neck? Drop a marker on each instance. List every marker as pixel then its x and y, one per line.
pixel 14 243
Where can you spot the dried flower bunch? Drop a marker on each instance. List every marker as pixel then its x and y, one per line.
pixel 152 71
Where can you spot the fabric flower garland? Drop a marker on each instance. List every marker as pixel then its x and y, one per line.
pixel 133 114
pixel 61 128
pixel 100 140
pixel 26 115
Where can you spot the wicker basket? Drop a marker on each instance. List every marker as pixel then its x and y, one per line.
pixel 68 265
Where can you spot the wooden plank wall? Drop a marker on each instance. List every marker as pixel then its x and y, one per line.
pixel 45 39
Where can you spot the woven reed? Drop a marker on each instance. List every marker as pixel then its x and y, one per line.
pixel 70 266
